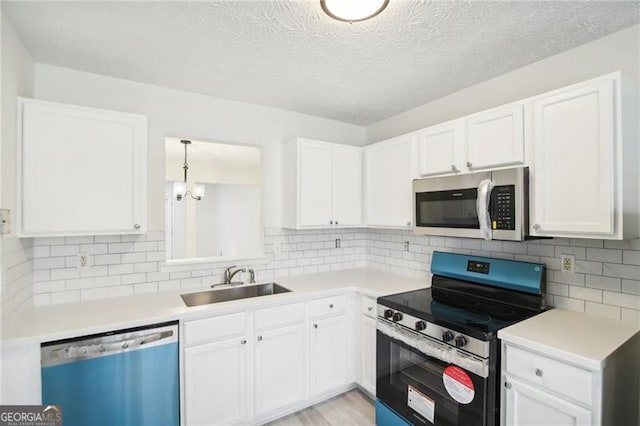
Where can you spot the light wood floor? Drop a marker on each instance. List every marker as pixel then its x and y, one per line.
pixel 351 408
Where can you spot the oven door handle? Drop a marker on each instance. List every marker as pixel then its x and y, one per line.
pixel 435 349
pixel 482 207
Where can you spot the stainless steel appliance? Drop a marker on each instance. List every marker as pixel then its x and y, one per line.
pixel 475 205
pixel 438 355
pixel 127 377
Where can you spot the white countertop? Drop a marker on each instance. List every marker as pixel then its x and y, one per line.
pixel 582 339
pixel 47 323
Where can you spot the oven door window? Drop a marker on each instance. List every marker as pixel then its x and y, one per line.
pixel 401 367
pixel 447 209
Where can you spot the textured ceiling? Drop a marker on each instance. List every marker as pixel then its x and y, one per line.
pixel 288 54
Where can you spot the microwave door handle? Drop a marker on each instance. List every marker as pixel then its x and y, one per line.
pixel 482 206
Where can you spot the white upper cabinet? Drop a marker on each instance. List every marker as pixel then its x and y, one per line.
pixel 490 139
pixel 440 149
pixel 322 184
pixel 495 138
pixel 389 170
pixel 576 191
pixel 81 171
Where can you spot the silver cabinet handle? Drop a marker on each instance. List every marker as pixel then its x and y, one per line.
pixel 243 341
pixel 259 338
pixel 136 226
pixel 454 168
pixel 330 222
pixel 469 165
pixel 536 226
pixel 330 305
pixel 370 308
pixel 507 385
pixel 538 372
pixel 408 223
pixel 315 325
pixel 336 222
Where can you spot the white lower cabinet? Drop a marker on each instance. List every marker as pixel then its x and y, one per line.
pixel 329 344
pixel 367 355
pixel 216 359
pixel 257 365
pixel 215 382
pixel 279 368
pixel 533 406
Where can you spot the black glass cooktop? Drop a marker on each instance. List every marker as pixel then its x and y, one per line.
pixel 470 314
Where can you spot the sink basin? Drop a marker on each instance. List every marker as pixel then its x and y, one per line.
pixel 234 293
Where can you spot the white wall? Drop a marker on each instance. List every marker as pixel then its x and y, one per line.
pixel 619 51
pixel 16 282
pixel 174 113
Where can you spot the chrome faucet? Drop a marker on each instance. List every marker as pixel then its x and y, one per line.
pixel 228 275
pixel 252 276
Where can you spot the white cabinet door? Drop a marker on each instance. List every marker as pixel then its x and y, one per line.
pixel 440 149
pixel 329 354
pixel 495 138
pixel 529 406
pixel 389 170
pixel 81 171
pixel 347 186
pixel 215 383
pixel 279 368
pixel 368 355
pixel 315 201
pixel 573 178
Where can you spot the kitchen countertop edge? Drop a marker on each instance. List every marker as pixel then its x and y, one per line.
pixel 38 324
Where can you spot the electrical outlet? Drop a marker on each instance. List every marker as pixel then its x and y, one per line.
pixel 567 264
pixel 83 261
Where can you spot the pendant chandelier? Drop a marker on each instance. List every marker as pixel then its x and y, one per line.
pixel 180 189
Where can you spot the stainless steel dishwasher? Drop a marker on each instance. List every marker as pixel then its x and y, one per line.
pixel 126 377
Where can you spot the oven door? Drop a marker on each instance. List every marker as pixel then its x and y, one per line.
pixel 426 390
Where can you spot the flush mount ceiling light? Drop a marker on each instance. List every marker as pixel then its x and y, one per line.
pixel 353 10
pixel 180 188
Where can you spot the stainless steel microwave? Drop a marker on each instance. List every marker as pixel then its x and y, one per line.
pixel 490 205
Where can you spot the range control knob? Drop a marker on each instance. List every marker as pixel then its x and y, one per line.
pixel 421 325
pixel 388 313
pixel 460 341
pixel 447 336
pixel 397 316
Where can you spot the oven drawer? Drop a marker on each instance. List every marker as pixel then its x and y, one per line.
pixel 328 306
pixel 551 374
pixel 368 306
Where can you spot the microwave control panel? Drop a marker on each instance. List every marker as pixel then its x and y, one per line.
pixel 503 207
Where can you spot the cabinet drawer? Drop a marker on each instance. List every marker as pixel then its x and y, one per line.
pixel 368 306
pixel 279 315
pixel 551 374
pixel 214 328
pixel 328 306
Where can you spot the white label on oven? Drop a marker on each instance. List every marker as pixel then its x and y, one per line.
pixel 420 403
pixel 459 385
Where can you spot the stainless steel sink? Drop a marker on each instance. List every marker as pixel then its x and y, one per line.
pixel 234 293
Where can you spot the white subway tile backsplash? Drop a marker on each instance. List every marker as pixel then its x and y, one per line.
pixel 631 286
pixel 621 271
pixel 604 255
pixel 605 283
pixel 607 311
pixel 569 304
pixel 106 259
pixel 578 252
pixel 631 257
pixel 621 299
pixel 584 293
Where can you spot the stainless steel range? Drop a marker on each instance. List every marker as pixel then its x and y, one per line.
pixel 438 355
